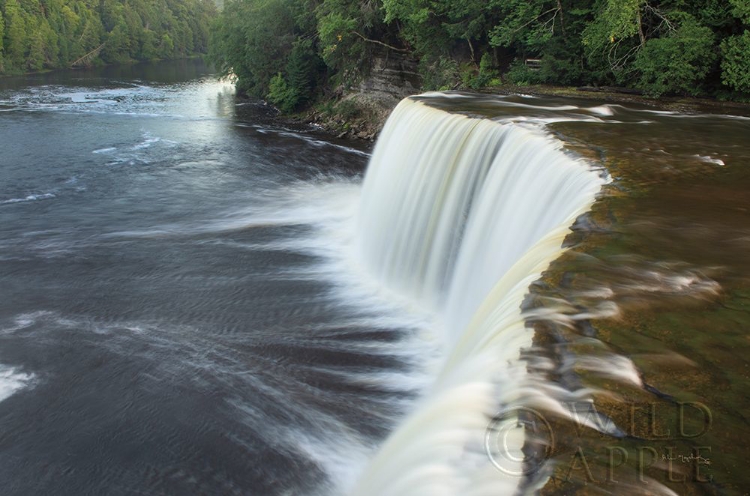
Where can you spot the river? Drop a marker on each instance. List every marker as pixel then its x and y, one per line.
pixel 184 307
pixel 168 320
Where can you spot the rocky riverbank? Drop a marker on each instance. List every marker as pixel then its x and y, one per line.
pixel 361 114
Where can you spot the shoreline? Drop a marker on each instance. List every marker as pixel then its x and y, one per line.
pixel 5 75
pixel 360 116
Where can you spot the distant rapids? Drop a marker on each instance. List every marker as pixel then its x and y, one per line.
pixel 460 215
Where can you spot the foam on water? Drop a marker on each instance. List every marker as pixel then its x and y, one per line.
pixel 709 159
pixel 315 142
pixel 105 150
pixel 605 110
pixel 12 381
pixel 29 198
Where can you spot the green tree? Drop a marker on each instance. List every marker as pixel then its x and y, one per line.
pixel 40 34
pixel 344 26
pixel 253 39
pixel 528 25
pixel 2 35
pixel 735 64
pixel 15 34
pixel 166 47
pixel 35 58
pixel 677 62
pixel 550 30
pixel 741 9
pixel 292 91
pixel 614 38
pixel 118 46
pixel 437 28
pixel 660 46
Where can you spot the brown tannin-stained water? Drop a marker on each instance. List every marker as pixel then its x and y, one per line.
pixel 652 302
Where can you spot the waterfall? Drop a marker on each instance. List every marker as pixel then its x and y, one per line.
pixel 459 216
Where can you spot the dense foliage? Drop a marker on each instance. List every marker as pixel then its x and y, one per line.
pixel 39 34
pixel 285 49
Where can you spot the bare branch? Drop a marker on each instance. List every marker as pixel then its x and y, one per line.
pixel 562 17
pixel 402 50
pixel 471 47
pixel 664 20
pixel 641 36
pixel 618 62
pixel 86 59
pixel 535 19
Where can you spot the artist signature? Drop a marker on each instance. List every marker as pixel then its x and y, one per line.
pixel 691 458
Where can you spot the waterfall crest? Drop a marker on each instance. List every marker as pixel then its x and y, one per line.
pixel 460 215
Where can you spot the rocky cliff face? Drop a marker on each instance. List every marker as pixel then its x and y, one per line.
pixel 392 74
pixel 362 111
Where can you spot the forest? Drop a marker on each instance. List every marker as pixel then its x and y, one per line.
pixel 292 51
pixel 50 34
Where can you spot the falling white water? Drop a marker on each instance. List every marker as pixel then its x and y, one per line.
pixel 461 215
